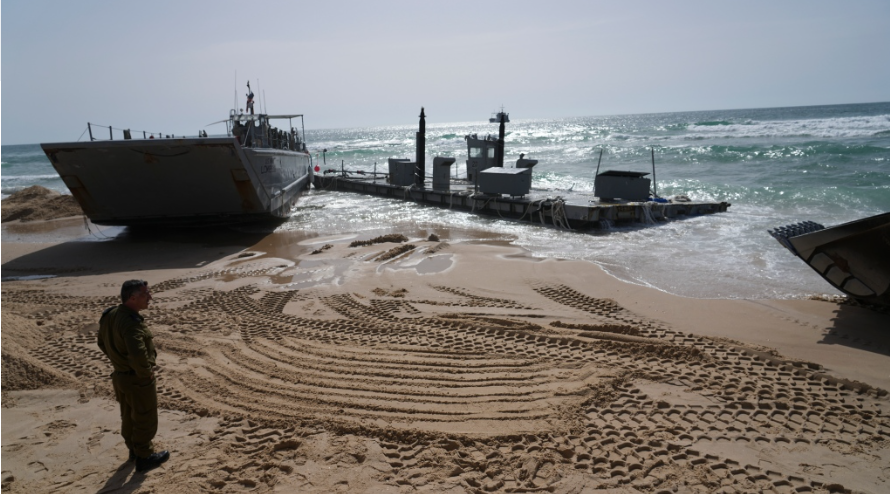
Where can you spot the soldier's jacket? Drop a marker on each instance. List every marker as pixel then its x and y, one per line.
pixel 127 341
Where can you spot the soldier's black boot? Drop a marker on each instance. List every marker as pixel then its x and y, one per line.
pixel 154 460
pixel 132 457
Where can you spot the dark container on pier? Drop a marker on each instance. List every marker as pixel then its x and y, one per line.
pixel 614 184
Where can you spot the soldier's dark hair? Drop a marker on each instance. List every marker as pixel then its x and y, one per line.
pixel 130 287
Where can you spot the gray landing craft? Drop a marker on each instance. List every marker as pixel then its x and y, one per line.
pixel 253 173
pixel 490 188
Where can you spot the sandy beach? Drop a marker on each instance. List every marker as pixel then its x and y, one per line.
pixel 295 362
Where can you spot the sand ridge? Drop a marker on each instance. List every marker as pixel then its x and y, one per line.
pixel 38 203
pixel 337 370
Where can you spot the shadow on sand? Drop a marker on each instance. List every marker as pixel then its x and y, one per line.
pixel 859 327
pixel 130 249
pixel 125 479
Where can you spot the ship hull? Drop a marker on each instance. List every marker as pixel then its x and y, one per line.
pixel 180 181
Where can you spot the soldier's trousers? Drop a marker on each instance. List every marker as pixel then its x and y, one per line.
pixel 139 411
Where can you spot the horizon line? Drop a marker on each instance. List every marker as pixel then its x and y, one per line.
pixel 557 118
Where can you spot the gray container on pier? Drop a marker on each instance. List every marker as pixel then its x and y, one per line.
pixel 442 168
pixel 614 184
pixel 402 171
pixel 514 182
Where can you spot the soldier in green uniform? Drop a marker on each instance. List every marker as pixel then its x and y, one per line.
pixel 125 339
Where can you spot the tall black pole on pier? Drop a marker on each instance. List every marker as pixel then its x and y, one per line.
pixel 420 144
pixel 653 157
pixel 499 146
pixel 597 172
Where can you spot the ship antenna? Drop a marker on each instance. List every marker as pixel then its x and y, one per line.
pixel 259 92
pixel 597 172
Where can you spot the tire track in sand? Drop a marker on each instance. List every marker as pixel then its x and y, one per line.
pixel 482 400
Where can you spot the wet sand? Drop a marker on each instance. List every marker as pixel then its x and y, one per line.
pixel 292 362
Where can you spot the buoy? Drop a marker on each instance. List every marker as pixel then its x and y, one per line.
pixel 316 168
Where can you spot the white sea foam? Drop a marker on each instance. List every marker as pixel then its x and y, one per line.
pixel 30 178
pixel 844 127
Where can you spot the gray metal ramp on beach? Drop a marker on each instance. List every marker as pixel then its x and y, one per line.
pixel 162 178
pixel 852 257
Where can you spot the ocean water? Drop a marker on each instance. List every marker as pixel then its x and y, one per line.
pixel 828 164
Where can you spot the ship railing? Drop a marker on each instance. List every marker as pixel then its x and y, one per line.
pixel 271 138
pixel 127 134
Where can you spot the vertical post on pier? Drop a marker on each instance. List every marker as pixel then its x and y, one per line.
pixel 653 157
pixel 499 146
pixel 597 172
pixel 420 144
pixel 90 129
pixel 110 137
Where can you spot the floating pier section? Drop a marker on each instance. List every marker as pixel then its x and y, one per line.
pixel 491 189
pixel 556 211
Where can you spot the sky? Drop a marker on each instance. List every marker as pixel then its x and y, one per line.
pixel 177 66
